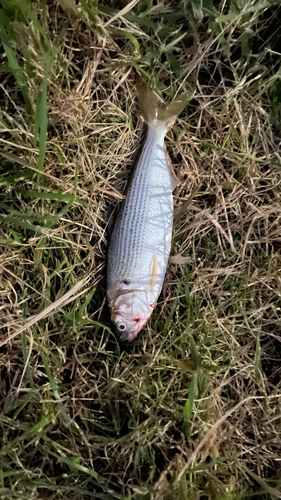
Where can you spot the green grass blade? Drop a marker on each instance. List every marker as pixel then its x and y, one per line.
pixel 53 382
pixel 13 179
pixel 73 463
pixel 14 66
pixel 67 197
pixel 234 16
pixel 170 46
pixel 14 158
pixel 90 7
pixel 83 308
pixel 188 407
pixel 30 16
pixel 41 118
pixel 6 220
pixel 130 16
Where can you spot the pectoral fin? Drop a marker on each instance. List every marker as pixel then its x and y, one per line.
pixel 155 271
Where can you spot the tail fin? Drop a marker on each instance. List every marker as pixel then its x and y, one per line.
pixel 154 110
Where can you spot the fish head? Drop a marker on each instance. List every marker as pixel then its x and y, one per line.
pixel 130 313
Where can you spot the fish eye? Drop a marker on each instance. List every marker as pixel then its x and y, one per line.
pixel 121 327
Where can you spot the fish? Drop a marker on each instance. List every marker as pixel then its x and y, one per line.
pixel 140 243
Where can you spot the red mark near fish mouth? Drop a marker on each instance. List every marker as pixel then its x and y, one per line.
pixel 136 320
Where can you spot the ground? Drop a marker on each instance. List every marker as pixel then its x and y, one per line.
pixel 191 410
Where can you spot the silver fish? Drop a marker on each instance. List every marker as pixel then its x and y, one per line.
pixel 140 243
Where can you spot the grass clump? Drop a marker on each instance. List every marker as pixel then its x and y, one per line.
pixel 191 409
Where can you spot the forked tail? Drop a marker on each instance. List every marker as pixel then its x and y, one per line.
pixel 153 109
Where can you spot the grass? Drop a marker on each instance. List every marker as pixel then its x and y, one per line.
pixel 191 410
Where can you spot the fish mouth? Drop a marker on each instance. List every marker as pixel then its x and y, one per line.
pixel 127 336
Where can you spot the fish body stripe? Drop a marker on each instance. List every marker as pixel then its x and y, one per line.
pixel 144 224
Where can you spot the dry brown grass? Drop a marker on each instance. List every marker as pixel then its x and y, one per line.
pixel 192 408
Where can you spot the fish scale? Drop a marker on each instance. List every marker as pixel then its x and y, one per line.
pixel 144 225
